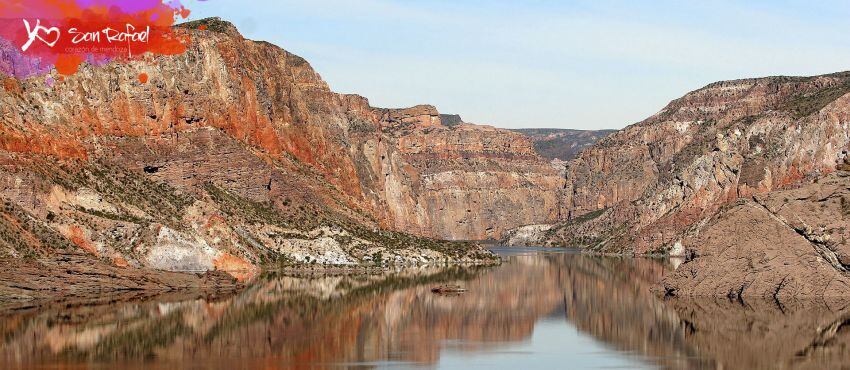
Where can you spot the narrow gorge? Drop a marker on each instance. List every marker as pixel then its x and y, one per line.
pixel 424 185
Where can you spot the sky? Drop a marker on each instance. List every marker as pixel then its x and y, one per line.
pixel 561 64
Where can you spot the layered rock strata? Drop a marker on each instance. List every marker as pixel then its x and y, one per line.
pixel 736 178
pixel 643 189
pixel 236 155
pixel 461 181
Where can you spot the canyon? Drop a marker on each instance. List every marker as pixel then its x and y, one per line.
pixel 236 156
pixel 458 181
pixel 233 157
pixel 641 189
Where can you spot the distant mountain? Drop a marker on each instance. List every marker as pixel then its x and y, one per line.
pixel 563 144
pixel 549 143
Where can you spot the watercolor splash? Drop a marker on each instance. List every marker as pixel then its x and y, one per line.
pixel 38 36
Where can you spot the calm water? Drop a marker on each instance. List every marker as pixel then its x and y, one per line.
pixel 540 309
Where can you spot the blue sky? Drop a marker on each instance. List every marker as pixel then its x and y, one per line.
pixel 568 64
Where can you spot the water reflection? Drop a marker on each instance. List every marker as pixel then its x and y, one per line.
pixel 762 335
pixel 539 308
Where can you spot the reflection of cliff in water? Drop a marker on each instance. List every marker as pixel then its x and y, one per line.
pixel 762 335
pixel 609 298
pixel 289 321
pixel 280 321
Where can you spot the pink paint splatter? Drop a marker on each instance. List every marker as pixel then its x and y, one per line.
pixel 39 35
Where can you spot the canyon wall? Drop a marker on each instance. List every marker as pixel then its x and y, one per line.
pixel 232 155
pixel 644 188
pixel 780 247
pixel 236 154
pixel 461 181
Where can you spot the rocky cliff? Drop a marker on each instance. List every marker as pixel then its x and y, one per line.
pixel 458 181
pixel 643 188
pixel 781 246
pixel 236 154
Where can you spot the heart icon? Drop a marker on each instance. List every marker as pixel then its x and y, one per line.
pixel 33 33
pixel 48 32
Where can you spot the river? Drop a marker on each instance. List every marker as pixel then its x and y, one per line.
pixel 542 308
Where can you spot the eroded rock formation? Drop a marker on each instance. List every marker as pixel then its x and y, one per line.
pixel 640 190
pixel 455 182
pixel 780 246
pixel 669 185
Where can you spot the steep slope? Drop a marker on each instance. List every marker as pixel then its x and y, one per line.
pixel 461 181
pixel 232 155
pixel 562 144
pixel 642 189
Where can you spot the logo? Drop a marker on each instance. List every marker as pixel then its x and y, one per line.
pixel 41 36
pixel 81 38
pixel 34 33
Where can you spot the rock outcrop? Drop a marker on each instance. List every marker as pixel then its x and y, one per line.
pixel 528 235
pixel 643 189
pixel 736 178
pixel 780 246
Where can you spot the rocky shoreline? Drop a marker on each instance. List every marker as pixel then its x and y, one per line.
pixel 74 279
pixel 78 279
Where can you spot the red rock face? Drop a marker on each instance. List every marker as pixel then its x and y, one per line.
pixel 641 189
pixel 236 154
